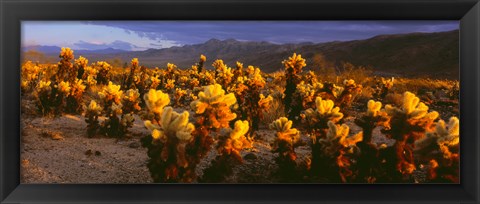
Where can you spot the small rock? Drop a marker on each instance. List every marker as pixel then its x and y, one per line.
pixel 134 145
pixel 250 156
pixel 88 152
pixel 52 135
pixel 104 171
pixel 98 153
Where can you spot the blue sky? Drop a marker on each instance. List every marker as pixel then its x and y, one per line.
pixel 142 35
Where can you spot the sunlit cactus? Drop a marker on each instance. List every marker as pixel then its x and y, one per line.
pixel 407 124
pixel 285 142
pixel 199 66
pixel 65 66
pixel 75 98
pixel 374 116
pixel 90 76
pixel 239 69
pixel 369 161
pixel 346 94
pixel 239 88
pixel 111 94
pixel 103 76
pixel 412 109
pixel 228 147
pixel 131 101
pixel 193 83
pixel 214 105
pixel 265 102
pixel 325 111
pixel 207 78
pixel 156 100
pixel 93 111
pixel 440 149
pixel 213 111
pixel 81 63
pixel 255 79
pixel 29 76
pixel 64 88
pixel 179 96
pixel 306 93
pixel 131 80
pixel 167 147
pixel 337 150
pixel 293 67
pixel 223 73
pixel 295 63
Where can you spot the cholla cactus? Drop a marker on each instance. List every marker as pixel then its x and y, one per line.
pixel 408 124
pixel 207 78
pixel 90 76
pixel 369 162
pixel 64 88
pixel 294 63
pixel 65 66
pixel 324 112
pixel 293 67
pixel 337 149
pixel 193 83
pixel 307 93
pixel 347 93
pixel 214 107
pixel 179 96
pixel 170 84
pixel 45 96
pixel 285 132
pixel 374 117
pixel 201 62
pixel 255 79
pixel 317 120
pixel 223 73
pixel 440 149
pixel 287 139
pixel 131 80
pixel 93 111
pixel 239 70
pixel 81 63
pixel 156 100
pixel 29 76
pixel 251 102
pixel 131 101
pixel 265 102
pixel 111 94
pixel 167 147
pixel 44 86
pixel 75 98
pixel 229 146
pixel 103 76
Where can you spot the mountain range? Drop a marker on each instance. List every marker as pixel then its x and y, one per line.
pixel 415 54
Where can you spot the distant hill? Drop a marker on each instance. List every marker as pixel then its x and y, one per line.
pixel 50 50
pixel 414 54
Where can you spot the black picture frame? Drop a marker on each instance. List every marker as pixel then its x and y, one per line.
pixel 14 11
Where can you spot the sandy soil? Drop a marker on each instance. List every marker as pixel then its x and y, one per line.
pixel 57 150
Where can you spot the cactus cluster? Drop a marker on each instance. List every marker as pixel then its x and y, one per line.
pixel 224 109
